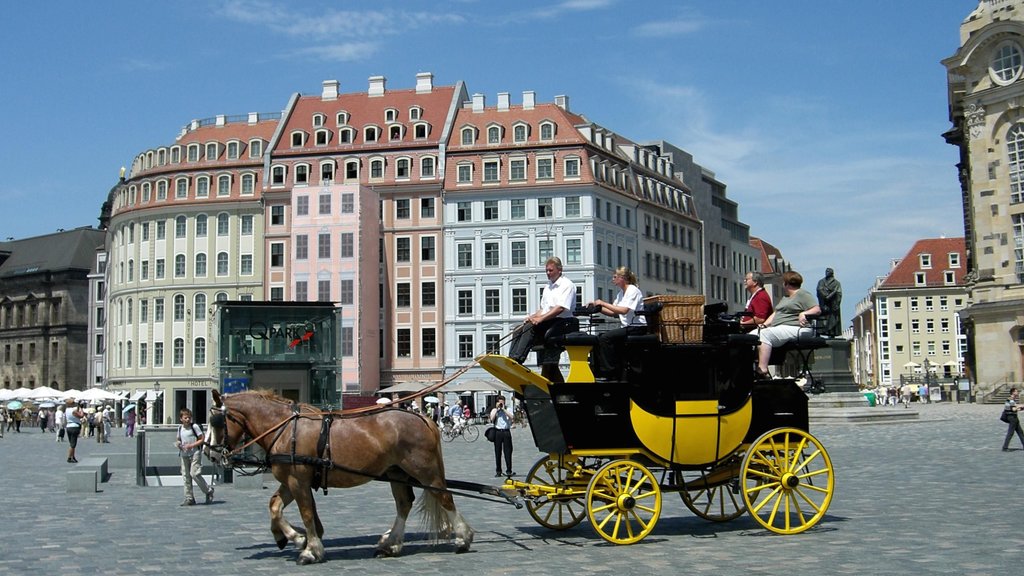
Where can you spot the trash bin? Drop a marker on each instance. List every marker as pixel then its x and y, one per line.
pixel 871 398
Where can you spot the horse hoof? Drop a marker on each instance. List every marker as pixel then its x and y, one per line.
pixel 462 546
pixel 281 543
pixel 306 558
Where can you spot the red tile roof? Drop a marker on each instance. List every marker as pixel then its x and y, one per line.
pixel 904 275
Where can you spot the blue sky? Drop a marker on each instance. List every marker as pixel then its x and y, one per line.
pixel 823 118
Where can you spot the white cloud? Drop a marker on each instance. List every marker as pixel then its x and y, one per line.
pixel 669 28
pixel 347 52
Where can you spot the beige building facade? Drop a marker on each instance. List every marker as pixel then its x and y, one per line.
pixel 986 107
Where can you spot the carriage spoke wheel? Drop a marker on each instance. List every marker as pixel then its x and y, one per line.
pixel 787 480
pixel 470 433
pixel 717 503
pixel 623 502
pixel 554 511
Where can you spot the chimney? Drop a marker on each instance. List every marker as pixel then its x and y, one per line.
pixel 478 102
pixel 221 120
pixel 529 99
pixel 424 83
pixel 562 102
pixel 377 85
pixel 330 91
pixel 503 101
pixel 254 117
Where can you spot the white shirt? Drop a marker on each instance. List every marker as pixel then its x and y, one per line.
pixel 561 292
pixel 633 299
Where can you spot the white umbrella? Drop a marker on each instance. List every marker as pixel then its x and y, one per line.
pixel 6 394
pixel 23 392
pixel 383 400
pixel 96 395
pixel 44 392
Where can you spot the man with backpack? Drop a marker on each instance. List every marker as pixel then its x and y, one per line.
pixel 190 443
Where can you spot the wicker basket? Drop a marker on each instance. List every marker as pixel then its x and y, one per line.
pixel 681 320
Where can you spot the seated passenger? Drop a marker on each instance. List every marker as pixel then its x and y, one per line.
pixel 557 302
pixel 788 321
pixel 628 301
pixel 759 305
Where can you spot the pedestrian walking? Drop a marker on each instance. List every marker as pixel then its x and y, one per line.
pixel 75 416
pixel 4 419
pixel 189 443
pixel 59 421
pixel 129 424
pixel 1012 418
pixel 502 420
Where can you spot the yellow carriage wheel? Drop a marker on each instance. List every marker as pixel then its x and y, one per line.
pixel 555 511
pixel 623 501
pixel 717 503
pixel 787 480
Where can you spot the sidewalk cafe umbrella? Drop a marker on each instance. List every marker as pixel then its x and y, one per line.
pixel 128 409
pixel 47 405
pixel 431 400
pixel 43 392
pixel 14 405
pixel 383 401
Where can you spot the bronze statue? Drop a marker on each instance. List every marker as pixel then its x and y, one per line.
pixel 830 298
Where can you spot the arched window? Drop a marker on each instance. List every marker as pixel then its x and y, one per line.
pixel 179 307
pixel 222 264
pixel 223 185
pixel 202 187
pixel 1015 157
pixel 199 352
pixel 1005 66
pixel 179 352
pixel 223 224
pixel 179 266
pixel 199 307
pixel 200 265
pixel 201 226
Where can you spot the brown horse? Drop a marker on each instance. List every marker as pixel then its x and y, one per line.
pixel 393 445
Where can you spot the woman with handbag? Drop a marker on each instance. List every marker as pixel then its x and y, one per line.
pixel 1010 416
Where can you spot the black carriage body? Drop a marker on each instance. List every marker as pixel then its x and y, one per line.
pixel 596 415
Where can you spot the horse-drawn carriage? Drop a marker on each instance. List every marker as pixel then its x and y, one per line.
pixel 685 415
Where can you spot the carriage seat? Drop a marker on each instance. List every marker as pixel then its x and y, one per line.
pixel 804 346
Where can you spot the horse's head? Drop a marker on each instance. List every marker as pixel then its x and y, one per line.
pixel 225 431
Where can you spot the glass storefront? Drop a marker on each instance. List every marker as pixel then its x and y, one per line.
pixel 289 347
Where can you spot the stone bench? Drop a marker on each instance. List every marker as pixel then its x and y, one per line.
pixel 82 481
pixel 97 464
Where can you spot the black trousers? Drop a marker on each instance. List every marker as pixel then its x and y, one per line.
pixel 528 335
pixel 502 445
pixel 1011 427
pixel 607 355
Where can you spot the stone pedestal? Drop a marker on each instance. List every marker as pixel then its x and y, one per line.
pixel 831 367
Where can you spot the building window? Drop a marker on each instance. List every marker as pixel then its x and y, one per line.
pixel 348 205
pixel 323 243
pixel 491 255
pixel 1005 66
pixel 222 264
pixel 427 167
pixel 277 255
pixel 347 244
pixel 519 253
pixel 403 249
pixel 403 295
pixel 464 255
pixel 544 208
pixel 201 226
pixel 429 342
pixel 465 302
pixel 490 170
pixel 492 301
pixel 277 215
pixel 949 278
pixel 179 308
pixel 468 136
pixel 573 251
pixel 346 291
pixel 200 265
pixel 181 188
pixel 925 260
pixel 1015 157
pixel 245 265
pixel 572 167
pixel 428 295
pixel 403 343
pixel 232 150
pixel 544 169
pixel 427 251
pixel 160 268
pixel 179 352
pixel 302 205
pixel 518 209
pixel 199 352
pixel 545 250
pixel 465 173
pixel 223 224
pixel 277 175
pixel 517 170
pixel 158 354
pixel 465 346
pixel 247 225
pixel 248 184
pixel 158 309
pixel 519 133
pixel 402 168
pixel 920 279
pixel 377 169
pixel 223 185
pixel 180 226
pixel 179 266
pixel 490 209
pixel 255 148
pixel 463 212
pixel 323 291
pixel 402 211
pixel 572 206
pixel 494 135
pixel 547 131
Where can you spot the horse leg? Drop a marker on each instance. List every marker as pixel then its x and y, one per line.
pixel 390 543
pixel 283 531
pixel 462 534
pixel 303 494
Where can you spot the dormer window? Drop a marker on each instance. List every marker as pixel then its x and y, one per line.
pixel 319 120
pixel 926 260
pixel 342 118
pixel 468 136
pixel 520 132
pixel 547 131
pixel 193 152
pixel 954 259
pixel 322 137
pixel 233 148
pixel 370 134
pixel 420 131
pixel 255 148
pixel 391 115
pixel 211 151
pixel 920 279
pixel 345 135
pixel 298 139
pixel 415 113
pixel 494 135
pixel 395 132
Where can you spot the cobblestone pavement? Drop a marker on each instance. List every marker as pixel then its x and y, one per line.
pixel 934 496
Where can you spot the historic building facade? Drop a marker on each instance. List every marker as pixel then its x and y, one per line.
pixel 986 94
pixel 44 309
pixel 424 215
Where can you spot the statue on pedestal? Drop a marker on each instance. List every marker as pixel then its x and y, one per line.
pixel 830 298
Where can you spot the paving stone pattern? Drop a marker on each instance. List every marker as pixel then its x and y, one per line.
pixel 934 496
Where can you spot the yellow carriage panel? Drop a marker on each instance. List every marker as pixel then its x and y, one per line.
pixel 690 436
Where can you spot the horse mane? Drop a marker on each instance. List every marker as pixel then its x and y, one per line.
pixel 272 396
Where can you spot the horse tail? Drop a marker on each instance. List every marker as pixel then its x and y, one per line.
pixel 432 514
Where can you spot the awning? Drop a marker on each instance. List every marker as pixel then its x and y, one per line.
pixel 137 395
pixel 152 395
